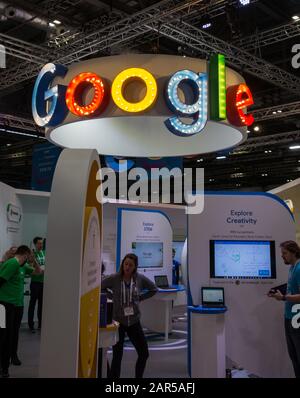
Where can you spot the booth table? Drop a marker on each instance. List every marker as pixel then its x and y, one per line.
pixel 156 311
pixel 207 355
pixel 108 337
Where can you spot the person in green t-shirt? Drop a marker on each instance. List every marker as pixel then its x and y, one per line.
pixel 30 268
pixel 37 285
pixel 10 286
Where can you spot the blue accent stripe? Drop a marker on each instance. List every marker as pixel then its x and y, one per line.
pixel 119 228
pixel 189 344
pixel 119 225
pixel 267 194
pixel 205 310
pixel 189 294
pixel 172 289
pixel 147 211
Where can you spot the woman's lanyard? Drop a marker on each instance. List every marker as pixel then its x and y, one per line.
pixel 124 291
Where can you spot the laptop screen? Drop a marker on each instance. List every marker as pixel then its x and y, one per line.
pixel 212 295
pixel 161 281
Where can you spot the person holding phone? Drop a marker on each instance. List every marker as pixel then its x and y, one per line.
pixel 290 252
pixel 127 288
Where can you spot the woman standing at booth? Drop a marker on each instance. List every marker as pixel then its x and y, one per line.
pixel 127 288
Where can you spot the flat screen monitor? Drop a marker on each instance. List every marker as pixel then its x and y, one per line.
pixel 242 259
pixel 178 246
pixel 212 296
pixel 150 254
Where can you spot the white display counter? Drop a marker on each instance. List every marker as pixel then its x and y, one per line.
pixel 157 311
pixel 108 337
pixel 207 354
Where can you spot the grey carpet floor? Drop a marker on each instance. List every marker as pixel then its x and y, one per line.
pixel 165 360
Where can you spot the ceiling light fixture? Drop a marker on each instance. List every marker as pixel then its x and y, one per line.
pixel 244 2
pixel 206 26
pixel 295 147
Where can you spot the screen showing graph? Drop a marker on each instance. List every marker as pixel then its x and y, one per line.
pixel 242 259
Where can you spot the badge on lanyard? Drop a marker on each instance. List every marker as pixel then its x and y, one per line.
pixel 128 308
pixel 128 311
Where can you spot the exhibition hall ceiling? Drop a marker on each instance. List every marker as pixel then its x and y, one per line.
pixel 256 36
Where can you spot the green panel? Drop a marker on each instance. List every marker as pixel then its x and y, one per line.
pixel 217 85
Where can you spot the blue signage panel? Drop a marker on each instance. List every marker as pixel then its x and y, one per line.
pixel 44 159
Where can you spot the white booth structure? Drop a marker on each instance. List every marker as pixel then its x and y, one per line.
pixel 250 333
pixel 231 224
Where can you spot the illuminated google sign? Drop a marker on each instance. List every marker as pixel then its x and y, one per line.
pixel 129 105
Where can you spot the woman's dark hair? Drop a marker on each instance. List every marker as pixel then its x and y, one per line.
pixel 292 247
pixel 132 257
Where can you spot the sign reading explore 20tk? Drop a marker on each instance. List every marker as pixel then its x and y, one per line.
pixel 143 105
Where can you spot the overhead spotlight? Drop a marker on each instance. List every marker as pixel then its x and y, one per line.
pixel 206 26
pixel 256 128
pixel 244 2
pixel 57 22
pixel 220 157
pixel 248 131
pixel 51 24
pixel 294 147
pixel 295 17
pixel 200 160
pixel 279 111
pixel 274 112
